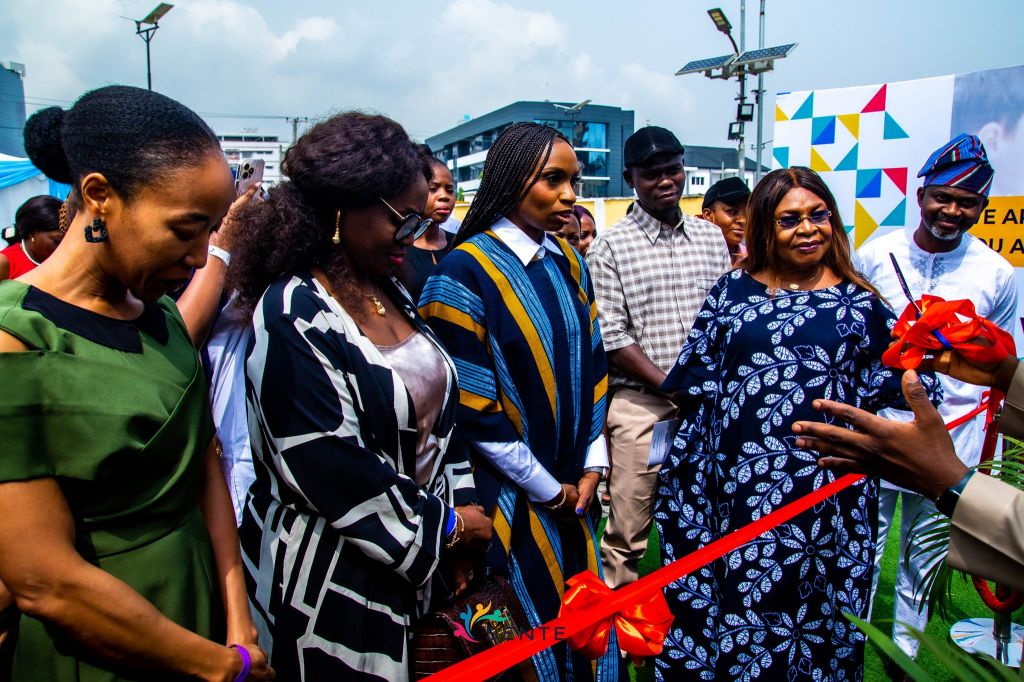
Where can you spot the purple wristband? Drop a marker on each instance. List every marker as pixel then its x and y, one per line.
pixel 243 674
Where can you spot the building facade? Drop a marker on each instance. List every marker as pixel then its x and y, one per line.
pixel 12 109
pixel 252 145
pixel 707 165
pixel 596 131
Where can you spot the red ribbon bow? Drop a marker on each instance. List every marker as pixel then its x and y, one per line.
pixel 642 627
pixel 958 322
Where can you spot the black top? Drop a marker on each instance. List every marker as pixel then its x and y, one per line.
pixel 113 333
pixel 419 263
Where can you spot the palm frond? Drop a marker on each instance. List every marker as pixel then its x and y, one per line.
pixel 960 665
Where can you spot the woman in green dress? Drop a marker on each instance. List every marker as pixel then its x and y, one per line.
pixel 117 536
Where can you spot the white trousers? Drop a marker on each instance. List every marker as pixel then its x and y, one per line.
pixel 916 511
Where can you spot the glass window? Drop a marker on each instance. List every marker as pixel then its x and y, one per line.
pixel 582 133
pixel 593 163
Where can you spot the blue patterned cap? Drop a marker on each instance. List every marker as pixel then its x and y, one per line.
pixel 961 163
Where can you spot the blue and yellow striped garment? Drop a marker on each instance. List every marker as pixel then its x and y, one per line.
pixel 527 347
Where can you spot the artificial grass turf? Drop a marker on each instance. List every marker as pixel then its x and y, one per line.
pixel 964 603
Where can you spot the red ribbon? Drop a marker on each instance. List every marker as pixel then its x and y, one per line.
pixel 642 627
pixel 958 322
pixel 502 657
pixel 638 611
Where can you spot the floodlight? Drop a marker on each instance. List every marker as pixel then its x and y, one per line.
pixel 721 23
pixel 745 111
pixel 157 14
pixel 736 130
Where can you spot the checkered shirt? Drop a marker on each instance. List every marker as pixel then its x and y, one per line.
pixel 650 280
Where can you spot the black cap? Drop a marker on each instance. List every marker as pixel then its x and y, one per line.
pixel 646 142
pixel 730 191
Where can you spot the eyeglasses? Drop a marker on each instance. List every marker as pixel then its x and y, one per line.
pixel 788 222
pixel 412 225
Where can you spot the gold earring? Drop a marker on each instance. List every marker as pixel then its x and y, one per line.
pixel 337 228
pixel 62 220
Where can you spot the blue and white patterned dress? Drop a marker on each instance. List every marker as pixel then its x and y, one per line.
pixel 751 366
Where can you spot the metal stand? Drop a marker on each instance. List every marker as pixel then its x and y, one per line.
pixel 998 637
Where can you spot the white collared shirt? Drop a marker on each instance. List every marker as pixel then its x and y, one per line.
pixel 515 459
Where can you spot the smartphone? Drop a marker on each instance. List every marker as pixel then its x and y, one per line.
pixel 250 172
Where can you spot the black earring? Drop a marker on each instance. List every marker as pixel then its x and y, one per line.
pixel 97 232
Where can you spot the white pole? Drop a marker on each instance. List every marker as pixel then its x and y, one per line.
pixel 760 102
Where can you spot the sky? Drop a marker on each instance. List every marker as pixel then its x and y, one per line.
pixel 429 64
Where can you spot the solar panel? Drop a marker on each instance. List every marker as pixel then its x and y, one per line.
pixel 765 54
pixel 706 64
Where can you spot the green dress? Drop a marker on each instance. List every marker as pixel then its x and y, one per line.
pixel 117 412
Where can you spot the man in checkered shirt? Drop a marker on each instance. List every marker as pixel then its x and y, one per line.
pixel 651 273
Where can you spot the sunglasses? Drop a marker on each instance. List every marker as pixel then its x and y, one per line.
pixel 412 225
pixel 788 222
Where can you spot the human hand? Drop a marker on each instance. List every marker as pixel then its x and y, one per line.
pixel 917 455
pixel 587 489
pixel 224 235
pixel 477 526
pixel 259 666
pixel 564 502
pixel 998 375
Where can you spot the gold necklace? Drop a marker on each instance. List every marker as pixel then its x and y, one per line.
pixel 795 286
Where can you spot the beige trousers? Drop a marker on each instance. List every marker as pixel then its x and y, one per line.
pixel 631 485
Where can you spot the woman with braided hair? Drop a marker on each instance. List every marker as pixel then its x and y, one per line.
pixel 515 308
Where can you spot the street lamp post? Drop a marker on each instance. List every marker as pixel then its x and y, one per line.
pixel 738 65
pixel 147 33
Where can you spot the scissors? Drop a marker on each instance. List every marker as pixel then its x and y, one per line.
pixel 906 291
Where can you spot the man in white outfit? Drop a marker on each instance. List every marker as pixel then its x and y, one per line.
pixel 938 257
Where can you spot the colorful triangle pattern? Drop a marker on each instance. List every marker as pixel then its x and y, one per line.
pixel 806 109
pixel 780 115
pixel 898 177
pixel 849 162
pixel 869 184
pixel 892 130
pixel 818 164
pixel 852 123
pixel 781 155
pixel 823 130
pixel 898 215
pixel 877 103
pixel 864 223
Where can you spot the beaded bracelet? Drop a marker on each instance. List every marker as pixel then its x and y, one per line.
pixel 243 674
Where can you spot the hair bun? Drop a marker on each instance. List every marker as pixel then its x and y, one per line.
pixel 44 145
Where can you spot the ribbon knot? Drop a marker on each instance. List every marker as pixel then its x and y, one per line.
pixel 957 322
pixel 642 626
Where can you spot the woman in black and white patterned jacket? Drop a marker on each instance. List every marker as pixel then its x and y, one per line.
pixel 360 487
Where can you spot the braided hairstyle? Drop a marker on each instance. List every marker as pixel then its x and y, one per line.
pixel 346 162
pixel 514 163
pixel 129 135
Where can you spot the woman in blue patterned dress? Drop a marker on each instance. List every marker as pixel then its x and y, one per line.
pixel 796 322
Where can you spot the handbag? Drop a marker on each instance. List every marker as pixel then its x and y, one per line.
pixel 486 615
